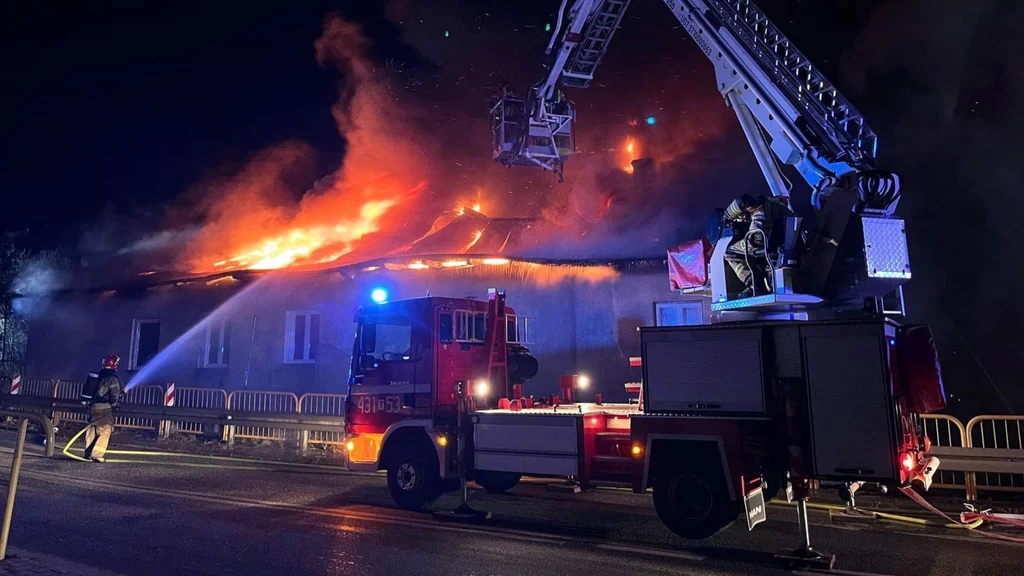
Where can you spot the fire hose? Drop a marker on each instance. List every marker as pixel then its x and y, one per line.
pixel 972 517
pixel 973 514
pixel 67 447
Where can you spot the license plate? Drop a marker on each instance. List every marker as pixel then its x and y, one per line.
pixel 753 503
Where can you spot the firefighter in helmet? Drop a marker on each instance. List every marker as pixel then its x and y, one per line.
pixel 101 410
pixel 763 213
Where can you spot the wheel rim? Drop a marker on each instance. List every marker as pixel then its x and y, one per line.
pixel 406 476
pixel 691 497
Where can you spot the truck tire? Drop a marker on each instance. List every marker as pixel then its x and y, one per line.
pixel 497 482
pixel 694 503
pixel 413 479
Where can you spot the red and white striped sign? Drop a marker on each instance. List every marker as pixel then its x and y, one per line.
pixel 169 395
pixel 635 361
pixel 16 384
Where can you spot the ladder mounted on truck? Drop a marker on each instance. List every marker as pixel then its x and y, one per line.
pixel 790 114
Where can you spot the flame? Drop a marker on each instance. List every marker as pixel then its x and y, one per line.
pixel 299 244
pixel 632 151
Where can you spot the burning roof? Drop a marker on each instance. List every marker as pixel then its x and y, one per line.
pixel 455 237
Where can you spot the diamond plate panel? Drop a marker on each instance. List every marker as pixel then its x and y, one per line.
pixel 885 248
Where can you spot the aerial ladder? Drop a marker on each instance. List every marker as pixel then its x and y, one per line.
pixel 854 254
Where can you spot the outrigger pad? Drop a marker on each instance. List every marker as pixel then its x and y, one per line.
pixel 462 514
pixel 806 558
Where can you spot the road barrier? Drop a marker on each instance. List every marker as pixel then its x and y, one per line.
pixel 68 390
pixel 219 417
pixel 201 398
pixel 260 402
pixel 146 395
pixel 1002 435
pixel 322 405
pixel 946 432
pixel 986 454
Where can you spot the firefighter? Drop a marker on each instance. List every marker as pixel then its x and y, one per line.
pixel 101 410
pixel 763 213
pixel 561 104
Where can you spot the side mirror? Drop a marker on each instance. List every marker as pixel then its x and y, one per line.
pixel 368 337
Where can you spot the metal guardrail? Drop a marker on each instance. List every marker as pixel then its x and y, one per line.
pixel 323 405
pixel 998 437
pixel 258 401
pixel 202 398
pixel 68 390
pixel 213 417
pixel 947 432
pixel 988 447
pixel 143 395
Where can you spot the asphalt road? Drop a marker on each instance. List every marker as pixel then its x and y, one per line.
pixel 159 515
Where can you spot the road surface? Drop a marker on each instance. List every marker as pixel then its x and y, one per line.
pixel 160 515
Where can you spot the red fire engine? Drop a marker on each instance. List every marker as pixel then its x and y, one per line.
pixel 723 407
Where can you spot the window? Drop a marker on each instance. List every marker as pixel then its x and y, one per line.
pixel 387 342
pixel 301 336
pixel 445 329
pixel 517 329
pixel 217 352
pixel 145 342
pixel 470 326
pixel 678 313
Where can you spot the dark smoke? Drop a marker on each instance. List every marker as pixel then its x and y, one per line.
pixel 943 84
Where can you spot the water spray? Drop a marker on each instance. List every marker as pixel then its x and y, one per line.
pixel 175 347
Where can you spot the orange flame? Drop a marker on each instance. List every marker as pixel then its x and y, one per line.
pixel 632 151
pixel 299 244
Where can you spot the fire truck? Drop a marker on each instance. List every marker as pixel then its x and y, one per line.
pixel 810 379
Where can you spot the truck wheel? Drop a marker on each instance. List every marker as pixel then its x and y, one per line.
pixel 497 482
pixel 693 504
pixel 413 480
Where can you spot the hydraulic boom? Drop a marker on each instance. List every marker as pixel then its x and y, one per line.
pixel 789 112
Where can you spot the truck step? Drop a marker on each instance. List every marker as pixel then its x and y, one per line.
pixel 612 444
pixel 611 468
pixel 612 480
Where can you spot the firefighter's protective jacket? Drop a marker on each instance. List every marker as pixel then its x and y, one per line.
pixel 108 392
pixel 763 212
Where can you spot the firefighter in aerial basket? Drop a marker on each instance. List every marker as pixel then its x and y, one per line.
pixel 102 393
pixel 746 253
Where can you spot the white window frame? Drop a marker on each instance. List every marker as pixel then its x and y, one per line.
pixel 519 322
pixel 204 361
pixel 468 318
pixel 133 356
pixel 659 306
pixel 289 336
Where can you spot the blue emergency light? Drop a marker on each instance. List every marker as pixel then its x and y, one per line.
pixel 650 120
pixel 379 295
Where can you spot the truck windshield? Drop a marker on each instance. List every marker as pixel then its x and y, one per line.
pixel 384 342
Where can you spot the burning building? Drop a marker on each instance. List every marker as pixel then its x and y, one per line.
pixel 292 329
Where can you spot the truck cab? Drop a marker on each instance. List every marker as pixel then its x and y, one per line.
pixel 407 361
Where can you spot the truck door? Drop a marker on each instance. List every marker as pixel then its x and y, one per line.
pixel 452 363
pixel 389 365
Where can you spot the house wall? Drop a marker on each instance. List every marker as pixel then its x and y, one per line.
pixel 579 323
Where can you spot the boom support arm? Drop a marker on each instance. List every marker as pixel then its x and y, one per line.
pixel 788 110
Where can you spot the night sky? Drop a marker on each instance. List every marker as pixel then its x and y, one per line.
pixel 114 111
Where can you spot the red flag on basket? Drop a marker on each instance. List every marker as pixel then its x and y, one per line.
pixel 688 265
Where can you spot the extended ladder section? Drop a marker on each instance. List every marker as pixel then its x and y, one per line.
pixel 838 127
pixel 597 35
